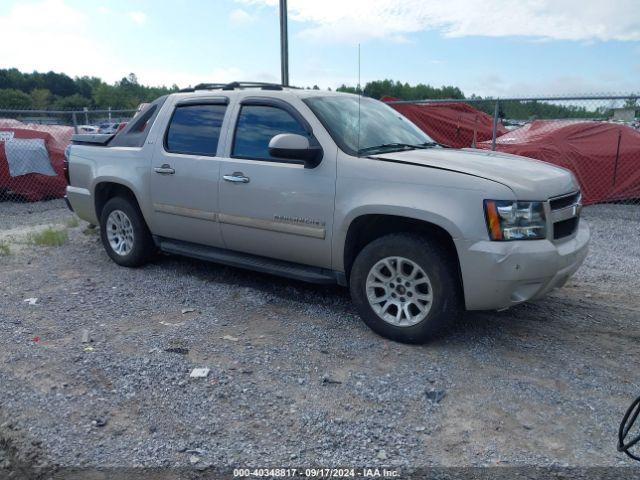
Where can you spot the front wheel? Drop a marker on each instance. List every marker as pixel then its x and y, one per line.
pixel 124 233
pixel 406 287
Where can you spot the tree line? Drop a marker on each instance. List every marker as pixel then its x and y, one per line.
pixel 535 109
pixel 58 91
pixel 517 110
pixel 404 91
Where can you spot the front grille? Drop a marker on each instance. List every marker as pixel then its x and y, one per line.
pixel 565 214
pixel 565 228
pixel 565 201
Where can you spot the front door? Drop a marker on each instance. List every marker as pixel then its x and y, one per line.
pixel 184 174
pixel 271 207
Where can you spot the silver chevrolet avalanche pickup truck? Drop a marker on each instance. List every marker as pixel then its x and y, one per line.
pixel 330 188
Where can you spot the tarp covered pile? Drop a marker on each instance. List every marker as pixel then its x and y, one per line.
pixel 31 160
pixel 449 123
pixel 605 157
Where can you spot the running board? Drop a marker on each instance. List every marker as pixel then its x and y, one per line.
pixel 250 262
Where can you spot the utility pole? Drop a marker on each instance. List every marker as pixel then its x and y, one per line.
pixel 284 44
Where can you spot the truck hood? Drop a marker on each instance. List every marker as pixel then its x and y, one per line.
pixel 529 179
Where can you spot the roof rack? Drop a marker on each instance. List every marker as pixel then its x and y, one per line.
pixel 235 86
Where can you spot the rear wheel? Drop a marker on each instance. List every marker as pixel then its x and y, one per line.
pixel 124 233
pixel 405 288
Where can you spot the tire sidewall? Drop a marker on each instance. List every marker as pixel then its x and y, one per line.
pixel 433 261
pixel 139 253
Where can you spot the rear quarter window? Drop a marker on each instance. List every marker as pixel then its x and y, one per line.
pixel 135 132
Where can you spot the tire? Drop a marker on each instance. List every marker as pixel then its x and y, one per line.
pixel 121 219
pixel 420 319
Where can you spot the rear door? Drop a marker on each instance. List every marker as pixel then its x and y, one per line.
pixel 185 170
pixel 273 207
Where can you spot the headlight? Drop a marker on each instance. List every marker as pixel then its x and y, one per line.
pixel 508 220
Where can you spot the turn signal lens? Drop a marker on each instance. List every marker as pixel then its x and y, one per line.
pixel 493 221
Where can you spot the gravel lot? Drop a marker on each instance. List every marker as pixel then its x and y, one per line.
pixel 296 379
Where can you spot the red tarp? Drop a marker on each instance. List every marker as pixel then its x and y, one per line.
pixel 452 124
pixel 34 186
pixel 605 157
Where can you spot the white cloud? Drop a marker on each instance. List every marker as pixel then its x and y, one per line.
pixel 45 35
pixel 139 18
pixel 56 35
pixel 562 85
pixel 240 17
pixel 50 35
pixel 360 20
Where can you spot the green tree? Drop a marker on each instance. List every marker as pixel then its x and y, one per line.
pixel 632 102
pixel 12 78
pixel 127 93
pixel 343 88
pixel 87 85
pixel 41 98
pixel 106 96
pixel 404 91
pixel 72 102
pixel 58 83
pixel 12 98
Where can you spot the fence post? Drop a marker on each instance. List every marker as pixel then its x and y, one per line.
pixel 75 122
pixel 109 113
pixel 495 125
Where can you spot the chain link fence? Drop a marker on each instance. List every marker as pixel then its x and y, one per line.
pixel 32 145
pixel 596 137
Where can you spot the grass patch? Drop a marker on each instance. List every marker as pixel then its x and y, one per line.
pixel 73 222
pixel 4 249
pixel 49 237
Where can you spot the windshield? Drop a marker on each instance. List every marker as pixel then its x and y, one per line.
pixel 381 127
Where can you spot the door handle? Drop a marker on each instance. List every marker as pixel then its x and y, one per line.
pixel 236 177
pixel 165 169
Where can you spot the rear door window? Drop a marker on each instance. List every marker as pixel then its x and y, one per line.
pixel 195 129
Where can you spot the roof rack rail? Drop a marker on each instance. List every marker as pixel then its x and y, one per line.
pixel 234 86
pixel 262 85
pixel 204 86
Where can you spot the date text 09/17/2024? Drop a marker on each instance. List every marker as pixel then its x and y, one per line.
pixel 367 472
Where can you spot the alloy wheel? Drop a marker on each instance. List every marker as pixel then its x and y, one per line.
pixel 399 291
pixel 120 232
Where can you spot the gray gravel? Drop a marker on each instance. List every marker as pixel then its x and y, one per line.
pixel 23 214
pixel 615 248
pixel 296 379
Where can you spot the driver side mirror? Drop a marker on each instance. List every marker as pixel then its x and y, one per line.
pixel 295 147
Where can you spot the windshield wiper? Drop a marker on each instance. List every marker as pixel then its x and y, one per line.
pixel 405 146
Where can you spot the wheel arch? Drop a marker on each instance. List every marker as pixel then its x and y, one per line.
pixel 105 190
pixel 366 227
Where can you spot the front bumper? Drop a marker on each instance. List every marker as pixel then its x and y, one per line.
pixel 498 275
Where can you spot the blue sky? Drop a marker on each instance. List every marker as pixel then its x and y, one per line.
pixel 490 47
